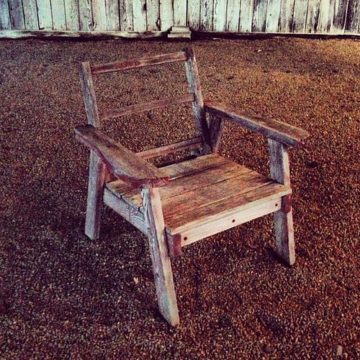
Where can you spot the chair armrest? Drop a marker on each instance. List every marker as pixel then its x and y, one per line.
pixel 276 130
pixel 122 162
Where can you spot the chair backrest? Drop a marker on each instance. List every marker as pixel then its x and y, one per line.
pixel 194 96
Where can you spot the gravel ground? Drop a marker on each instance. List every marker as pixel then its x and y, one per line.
pixel 63 297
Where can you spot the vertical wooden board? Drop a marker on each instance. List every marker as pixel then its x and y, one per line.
pixel 194 14
pixel 58 15
pixel 30 15
pixel 313 13
pixel 219 17
pixel 44 14
pixel 246 15
pixel 5 23
pixel 139 15
pixel 72 14
pixel 112 15
pixel 206 15
pixel 338 22
pixel 326 15
pixel 259 16
pixel 85 15
pixel 352 23
pixel 286 15
pixel 233 15
pixel 273 16
pixel 153 15
pixel 126 15
pixel 99 15
pixel 16 14
pixel 179 12
pixel 299 18
pixel 166 14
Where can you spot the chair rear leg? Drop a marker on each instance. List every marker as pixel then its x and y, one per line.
pixel 97 174
pixel 164 282
pixel 284 231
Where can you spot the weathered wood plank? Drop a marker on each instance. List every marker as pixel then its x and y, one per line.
pixel 153 15
pixel 338 22
pixel 99 15
pixel 273 16
pixel 192 74
pixel 219 15
pixel 139 62
pixel 135 217
pixel 139 15
pixel 226 220
pixel 246 15
pixel 353 17
pixel 194 15
pixel 286 15
pixel 164 283
pixel 16 14
pixel 259 16
pixel 180 12
pixel 72 14
pixel 5 23
pixel 112 15
pixel 120 161
pixel 216 130
pixel 206 15
pixel 30 15
pixel 85 15
pixel 326 15
pixel 126 15
pixel 44 14
pixel 233 15
pixel 190 144
pixel 279 131
pixel 284 229
pixel 299 19
pixel 97 175
pixel 157 104
pixel 166 14
pixel 313 13
pixel 58 14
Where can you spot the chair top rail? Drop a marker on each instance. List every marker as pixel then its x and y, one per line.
pixel 138 108
pixel 139 62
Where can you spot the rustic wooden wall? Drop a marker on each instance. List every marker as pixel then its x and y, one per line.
pixel 298 16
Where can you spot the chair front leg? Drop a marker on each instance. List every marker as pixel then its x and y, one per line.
pixel 97 176
pixel 164 283
pixel 284 228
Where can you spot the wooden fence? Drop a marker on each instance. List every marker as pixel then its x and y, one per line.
pixel 272 16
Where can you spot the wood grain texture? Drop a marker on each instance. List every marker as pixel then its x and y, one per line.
pixel 30 15
pixel 153 15
pixel 326 15
pixel 157 104
pixel 216 130
pixel 273 16
pixel 246 15
pixel 44 14
pixel 300 14
pixel 72 14
pixel 112 15
pixel 180 7
pixel 206 15
pixel 5 23
pixel 139 15
pixel 286 15
pixel 353 17
pixel 194 14
pixel 259 16
pixel 192 74
pixel 279 131
pixel 85 15
pixel 58 14
pixel 164 283
pixel 219 16
pixel 16 14
pixel 99 15
pixel 139 62
pixel 312 20
pixel 166 14
pixel 120 161
pixel 338 23
pixel 233 15
pixel 284 228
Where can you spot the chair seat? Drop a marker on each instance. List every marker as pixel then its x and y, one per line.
pixel 207 195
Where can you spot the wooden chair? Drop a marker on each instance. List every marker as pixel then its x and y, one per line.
pixel 184 202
